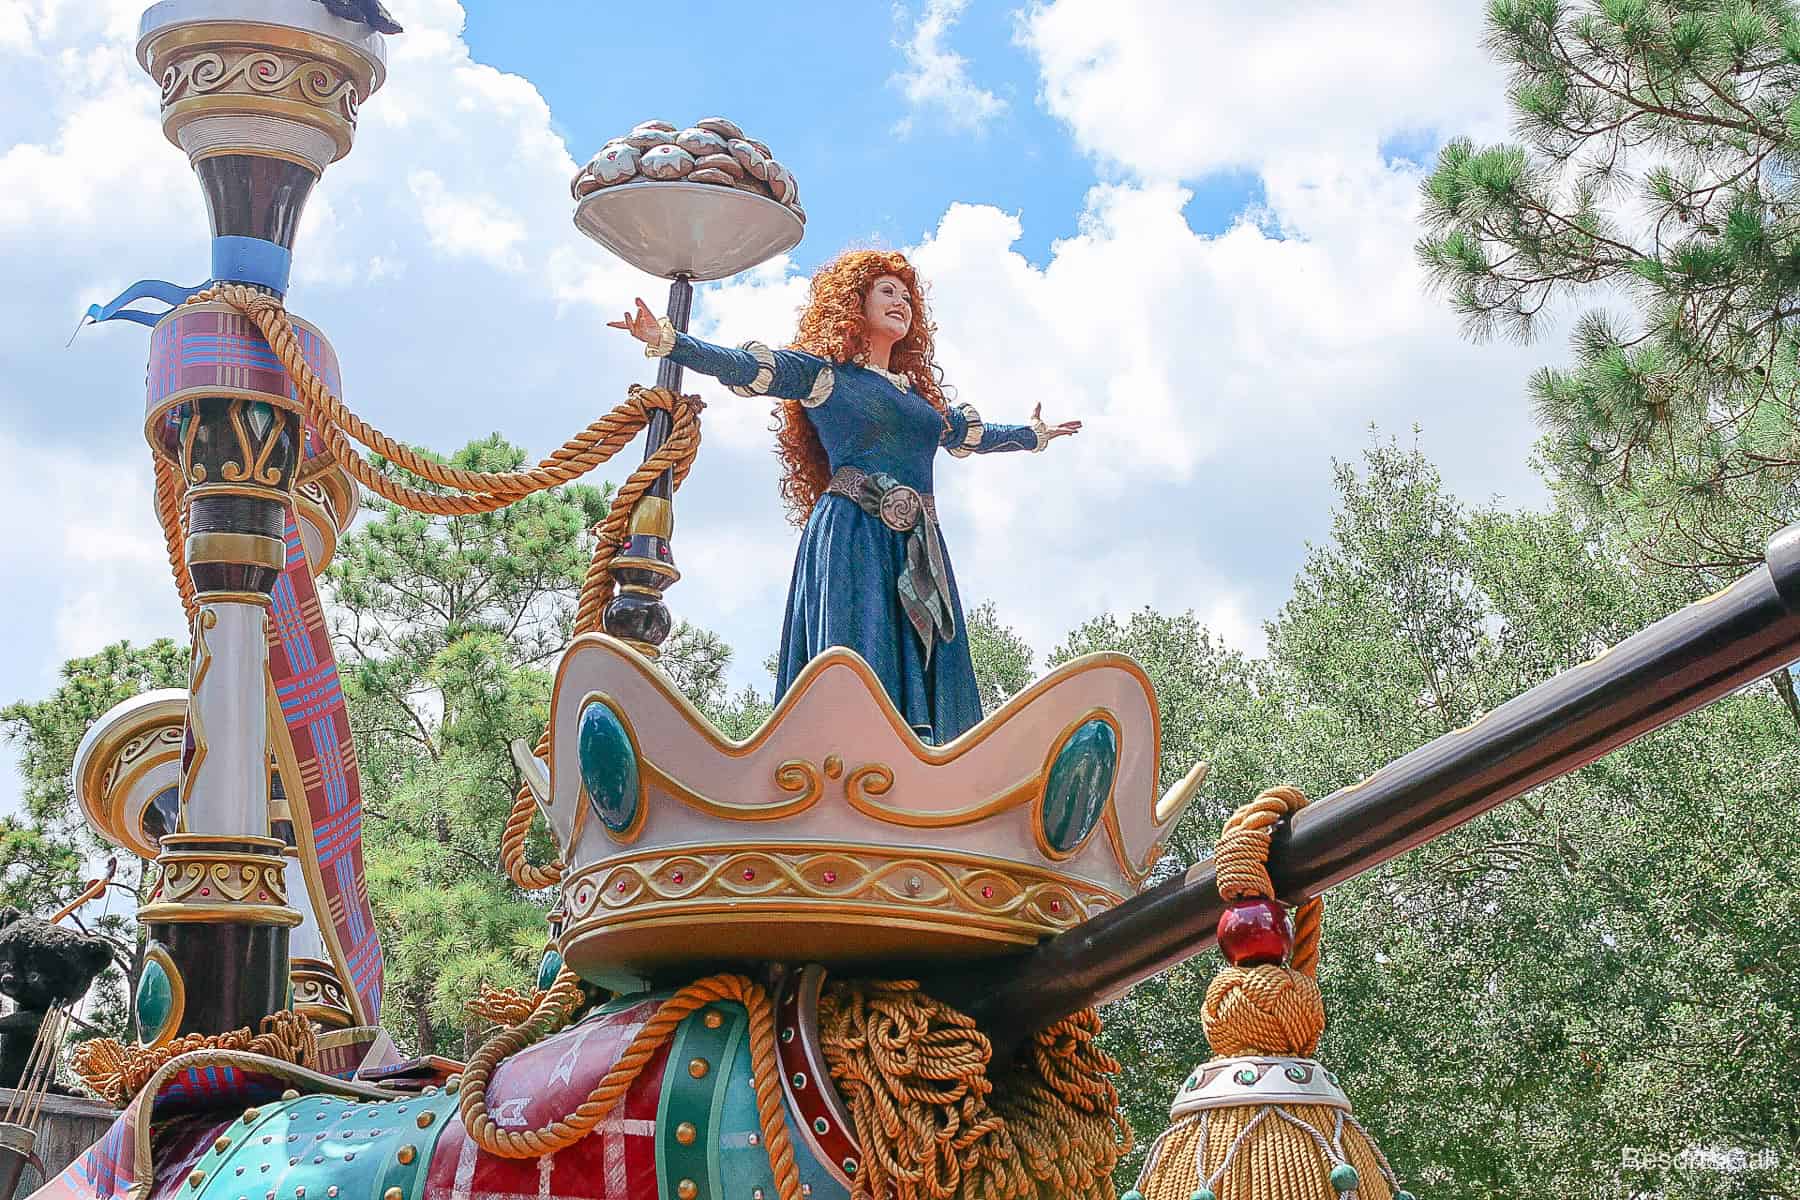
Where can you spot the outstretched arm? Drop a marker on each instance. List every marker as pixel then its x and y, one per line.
pixel 753 370
pixel 966 433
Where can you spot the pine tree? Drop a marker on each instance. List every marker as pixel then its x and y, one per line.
pixel 1655 173
pixel 446 630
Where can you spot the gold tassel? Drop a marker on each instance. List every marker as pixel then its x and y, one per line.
pixel 1262 1119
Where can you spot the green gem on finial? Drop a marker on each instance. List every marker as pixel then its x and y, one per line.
pixel 1344 1177
pixel 1403 1194
pixel 1203 1193
pixel 1133 1194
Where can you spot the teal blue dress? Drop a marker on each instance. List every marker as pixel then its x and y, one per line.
pixel 846 585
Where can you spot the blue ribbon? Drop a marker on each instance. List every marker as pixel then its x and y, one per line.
pixel 251 260
pixel 234 260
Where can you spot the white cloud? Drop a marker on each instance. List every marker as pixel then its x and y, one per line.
pixel 88 524
pixel 1172 89
pixel 936 78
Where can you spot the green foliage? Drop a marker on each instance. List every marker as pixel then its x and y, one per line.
pixel 1658 169
pixel 1517 1003
pixel 446 628
pixel 1002 658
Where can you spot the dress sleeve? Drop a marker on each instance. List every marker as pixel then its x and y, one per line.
pixel 965 433
pixel 751 370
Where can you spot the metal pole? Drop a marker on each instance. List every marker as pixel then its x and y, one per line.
pixel 645 567
pixel 1686 660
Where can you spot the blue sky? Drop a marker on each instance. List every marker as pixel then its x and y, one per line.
pixel 831 109
pixel 1187 222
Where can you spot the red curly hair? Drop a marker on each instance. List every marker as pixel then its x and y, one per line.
pixel 831 327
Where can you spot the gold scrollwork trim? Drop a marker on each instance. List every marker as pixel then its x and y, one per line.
pixel 876 779
pixel 800 779
pixel 941 886
pixel 118 762
pixel 208 871
pixel 159 955
pixel 166 45
pixel 319 993
pixel 226 547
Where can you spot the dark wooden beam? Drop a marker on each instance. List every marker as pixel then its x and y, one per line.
pixel 1684 661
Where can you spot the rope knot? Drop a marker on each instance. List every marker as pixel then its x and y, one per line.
pixel 1263 1010
pixel 1267 1009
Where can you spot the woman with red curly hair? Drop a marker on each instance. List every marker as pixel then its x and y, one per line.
pixel 863 416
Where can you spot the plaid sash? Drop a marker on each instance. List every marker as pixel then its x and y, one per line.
pixel 924 586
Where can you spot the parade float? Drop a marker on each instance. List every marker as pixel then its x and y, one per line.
pixel 856 954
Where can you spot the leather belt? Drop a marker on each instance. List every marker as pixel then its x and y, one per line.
pixel 897 505
pixel 923 585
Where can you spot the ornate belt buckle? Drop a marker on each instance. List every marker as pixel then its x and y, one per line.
pixel 900 508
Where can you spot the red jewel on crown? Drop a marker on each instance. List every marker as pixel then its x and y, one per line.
pixel 1255 932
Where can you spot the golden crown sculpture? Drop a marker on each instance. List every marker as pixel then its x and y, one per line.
pixel 835 835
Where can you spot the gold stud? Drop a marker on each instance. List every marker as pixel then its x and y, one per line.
pixel 685 1133
pixel 407 1154
pixel 698 1068
pixel 714 1020
pixel 393 1194
pixel 251 1114
pixel 222 1145
pixel 425 1119
pixel 686 1189
pixel 197 1178
pixel 453 1084
pixel 432 1090
pixel 290 1094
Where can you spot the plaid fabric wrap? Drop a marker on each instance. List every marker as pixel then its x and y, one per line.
pixel 205 351
pixel 188 1110
pixel 305 676
pixel 617 1161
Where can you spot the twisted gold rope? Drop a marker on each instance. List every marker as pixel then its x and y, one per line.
pixel 473 492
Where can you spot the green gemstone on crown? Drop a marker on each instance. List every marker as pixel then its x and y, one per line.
pixel 1080 781
pixel 609 766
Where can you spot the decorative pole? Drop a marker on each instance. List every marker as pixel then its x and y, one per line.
pixel 262 100
pixel 645 567
pixel 688 205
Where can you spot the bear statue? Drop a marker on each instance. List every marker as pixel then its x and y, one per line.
pixel 41 966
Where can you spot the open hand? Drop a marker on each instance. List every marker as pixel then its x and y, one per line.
pixel 1051 432
pixel 641 325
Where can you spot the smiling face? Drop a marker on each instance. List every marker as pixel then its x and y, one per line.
pixel 887 310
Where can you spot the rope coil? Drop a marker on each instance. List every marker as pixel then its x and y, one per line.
pixel 115 1070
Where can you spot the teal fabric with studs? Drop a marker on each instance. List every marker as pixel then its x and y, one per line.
pixel 707 1131
pixel 323 1148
